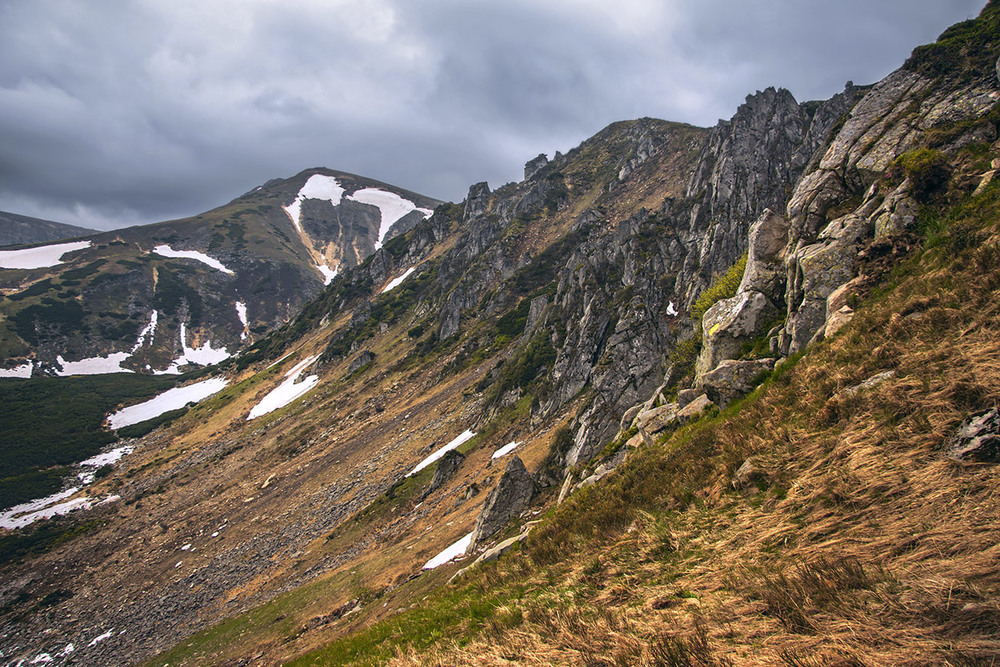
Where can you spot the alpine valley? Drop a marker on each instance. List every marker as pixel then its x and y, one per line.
pixel 681 396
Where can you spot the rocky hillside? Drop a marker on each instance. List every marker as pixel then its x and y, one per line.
pixel 23 230
pixel 191 292
pixel 564 364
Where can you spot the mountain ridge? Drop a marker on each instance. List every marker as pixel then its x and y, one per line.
pixel 551 320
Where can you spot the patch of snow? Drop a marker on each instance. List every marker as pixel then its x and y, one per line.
pixel 166 251
pixel 186 547
pixel 506 449
pixel 148 331
pixel 287 391
pixel 172 399
pixel 23 371
pixel 454 551
pixel 328 273
pixel 392 207
pixel 205 355
pixel 107 458
pixel 317 187
pixel 40 257
pixel 67 650
pixel 241 312
pixel 396 282
pixel 94 365
pixel 100 638
pixel 26 514
pixel 41 659
pixel 464 437
pixel 671 310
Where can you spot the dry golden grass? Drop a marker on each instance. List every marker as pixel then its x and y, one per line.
pixel 864 547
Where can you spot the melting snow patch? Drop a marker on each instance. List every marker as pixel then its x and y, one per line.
pixel 40 257
pixel 100 638
pixel 41 659
pixel 167 251
pixel 287 391
pixel 148 331
pixel 23 371
pixel 392 207
pixel 66 651
pixel 95 365
pixel 107 458
pixel 241 312
pixel 671 310
pixel 396 282
pixel 172 399
pixel 451 553
pixel 328 273
pixel 506 449
pixel 205 355
pixel 317 187
pixel 464 437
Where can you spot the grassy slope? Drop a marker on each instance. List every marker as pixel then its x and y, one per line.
pixel 861 544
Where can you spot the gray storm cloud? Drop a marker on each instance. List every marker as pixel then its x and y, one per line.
pixel 127 112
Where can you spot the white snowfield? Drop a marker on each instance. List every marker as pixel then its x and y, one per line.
pixel 671 310
pixel 22 371
pixel 40 257
pixel 451 553
pixel 396 282
pixel 28 513
pixel 206 355
pixel 149 330
pixel 94 365
pixel 166 251
pixel 287 391
pixel 88 467
pixel 391 206
pixel 464 437
pixel 317 187
pixel 506 449
pixel 328 273
pixel 172 399
pixel 241 312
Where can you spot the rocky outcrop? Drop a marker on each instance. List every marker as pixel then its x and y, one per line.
pixel 732 379
pixel 891 119
pixel 447 466
pixel 976 440
pixel 511 496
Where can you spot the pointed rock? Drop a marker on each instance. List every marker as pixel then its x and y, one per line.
pixel 511 496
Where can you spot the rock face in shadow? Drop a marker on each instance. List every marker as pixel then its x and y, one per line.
pixel 446 467
pixel 511 496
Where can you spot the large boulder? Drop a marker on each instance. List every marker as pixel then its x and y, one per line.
pixel 730 323
pixel 511 496
pixel 765 271
pixel 977 439
pixel 733 379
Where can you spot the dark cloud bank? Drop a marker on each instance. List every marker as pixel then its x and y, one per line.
pixel 126 112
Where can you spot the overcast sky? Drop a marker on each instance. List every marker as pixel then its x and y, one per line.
pixel 118 112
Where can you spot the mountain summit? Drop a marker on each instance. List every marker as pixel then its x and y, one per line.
pixel 156 298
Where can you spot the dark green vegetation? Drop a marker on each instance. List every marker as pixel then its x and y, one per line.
pixel 50 423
